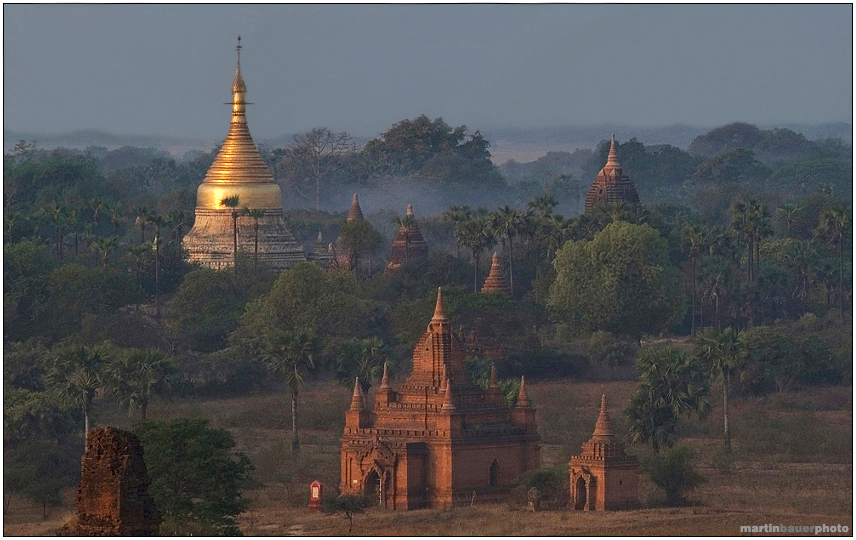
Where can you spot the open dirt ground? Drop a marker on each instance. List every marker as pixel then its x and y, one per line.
pixel 793 465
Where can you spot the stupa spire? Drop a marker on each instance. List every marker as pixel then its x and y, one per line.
pixel 355 213
pixel 448 405
pixel 603 426
pixel 522 398
pixel 384 381
pixel 439 313
pixel 357 398
pixel 612 157
pixel 409 210
pixel 495 281
pixel 492 384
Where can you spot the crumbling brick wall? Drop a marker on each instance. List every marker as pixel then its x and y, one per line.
pixel 112 499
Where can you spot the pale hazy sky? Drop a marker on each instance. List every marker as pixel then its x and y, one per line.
pixel 167 69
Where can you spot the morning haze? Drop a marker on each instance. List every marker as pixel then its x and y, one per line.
pixel 164 70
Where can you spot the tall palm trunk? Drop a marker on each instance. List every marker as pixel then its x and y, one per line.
pixel 256 249
pixel 841 274
pixel 235 241
pixel 295 441
pixel 511 265
pixel 476 255
pixel 725 383
pixel 157 278
pixel 693 263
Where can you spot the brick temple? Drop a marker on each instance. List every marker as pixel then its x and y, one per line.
pixel 612 184
pixel 439 440
pixel 408 244
pixel 340 255
pixel 603 476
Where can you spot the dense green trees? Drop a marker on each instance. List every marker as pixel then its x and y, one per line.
pixel 621 281
pixel 196 477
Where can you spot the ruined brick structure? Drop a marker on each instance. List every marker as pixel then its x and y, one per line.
pixel 603 476
pixel 322 254
pixel 496 281
pixel 112 498
pixel 439 440
pixel 612 184
pixel 408 244
pixel 239 170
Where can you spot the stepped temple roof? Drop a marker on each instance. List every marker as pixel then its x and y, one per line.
pixel 612 184
pixel 408 243
pixel 439 435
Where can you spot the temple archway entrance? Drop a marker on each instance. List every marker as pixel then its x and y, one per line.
pixel 371 488
pixel 581 491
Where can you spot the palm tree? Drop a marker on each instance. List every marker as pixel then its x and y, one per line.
pixel 56 213
pixel 137 256
pixel 289 353
pixel 695 238
pixel 739 228
pixel 143 220
pixel 97 206
pixel 233 202
pixel 509 223
pixel 833 226
pixel 721 351
pixel 801 258
pixel 671 384
pixel 116 216
pixel 361 358
pixel 135 375
pixel 76 374
pixel 476 234
pixel 543 204
pixel 9 220
pixel 758 225
pixel 456 215
pixel 787 211
pixel 72 218
pixel 256 214
pixel 104 247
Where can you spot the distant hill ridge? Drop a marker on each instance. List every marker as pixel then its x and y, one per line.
pixel 502 139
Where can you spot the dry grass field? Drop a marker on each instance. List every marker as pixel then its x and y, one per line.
pixel 793 465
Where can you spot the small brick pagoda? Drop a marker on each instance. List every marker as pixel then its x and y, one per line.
pixel 496 281
pixel 612 184
pixel 339 253
pixel 240 171
pixel 439 440
pixel 112 499
pixel 604 476
pixel 408 243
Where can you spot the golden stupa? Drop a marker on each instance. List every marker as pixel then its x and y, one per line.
pixel 240 171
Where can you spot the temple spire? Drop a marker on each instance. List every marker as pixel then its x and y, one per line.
pixel 603 426
pixel 355 213
pixel 492 384
pixel 384 382
pixel 448 405
pixel 409 210
pixel 357 398
pixel 612 157
pixel 238 82
pixel 522 398
pixel 439 314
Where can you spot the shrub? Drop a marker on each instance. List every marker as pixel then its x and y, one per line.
pixel 551 483
pixel 674 471
pixel 196 476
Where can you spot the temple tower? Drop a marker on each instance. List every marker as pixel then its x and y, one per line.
pixel 240 171
pixel 438 438
pixel 408 243
pixel 612 184
pixel 496 281
pixel 604 476
pixel 342 255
